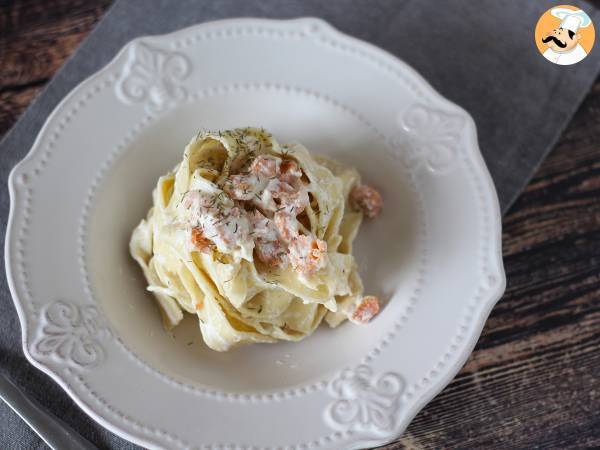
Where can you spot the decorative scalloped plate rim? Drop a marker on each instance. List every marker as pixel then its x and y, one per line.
pixel 430 390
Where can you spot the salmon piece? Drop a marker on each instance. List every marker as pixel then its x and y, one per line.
pixel 231 227
pixel 366 310
pixel 269 249
pixel 242 187
pixel 307 254
pixel 201 242
pixel 293 197
pixel 286 225
pixel 366 199
pixel 289 171
pixel 265 166
pixel 280 188
pixel 294 201
pixel 272 253
pixel 264 201
pixel 270 178
pixel 196 200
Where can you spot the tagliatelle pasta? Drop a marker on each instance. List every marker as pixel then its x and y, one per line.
pixel 255 238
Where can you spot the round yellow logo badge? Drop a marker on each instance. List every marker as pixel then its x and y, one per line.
pixel 565 35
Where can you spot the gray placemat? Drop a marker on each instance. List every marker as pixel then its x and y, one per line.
pixel 480 55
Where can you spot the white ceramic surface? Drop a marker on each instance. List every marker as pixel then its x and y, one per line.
pixel 434 255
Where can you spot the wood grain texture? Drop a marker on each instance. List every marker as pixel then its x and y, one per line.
pixel 534 377
pixel 36 37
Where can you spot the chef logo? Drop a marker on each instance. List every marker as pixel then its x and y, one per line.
pixel 564 35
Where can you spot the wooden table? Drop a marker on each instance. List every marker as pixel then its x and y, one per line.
pixel 534 377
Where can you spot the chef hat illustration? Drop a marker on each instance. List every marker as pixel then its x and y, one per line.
pixel 571 20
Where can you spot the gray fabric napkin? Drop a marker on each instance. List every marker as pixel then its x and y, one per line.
pixel 480 55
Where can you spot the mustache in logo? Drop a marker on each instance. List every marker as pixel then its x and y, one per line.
pixel 555 40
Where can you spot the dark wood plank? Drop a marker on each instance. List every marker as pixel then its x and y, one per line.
pixel 534 377
pixel 36 37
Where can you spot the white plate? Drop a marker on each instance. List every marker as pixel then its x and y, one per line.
pixel 433 255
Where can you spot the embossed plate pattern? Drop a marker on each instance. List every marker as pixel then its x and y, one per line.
pixel 434 255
